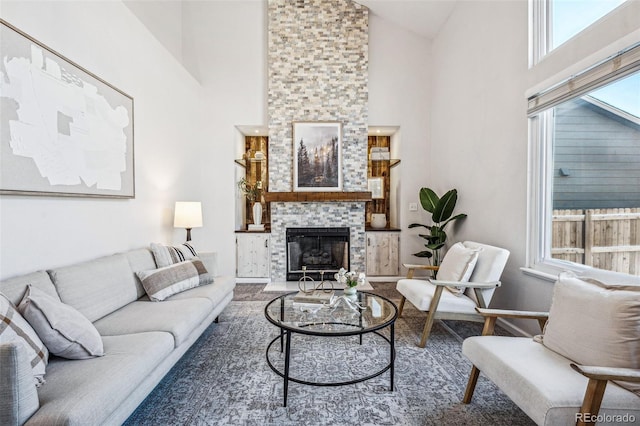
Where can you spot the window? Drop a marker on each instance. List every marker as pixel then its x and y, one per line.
pixel 556 21
pixel 569 17
pixel 585 135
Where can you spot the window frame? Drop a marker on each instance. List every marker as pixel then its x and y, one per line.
pixel 541 173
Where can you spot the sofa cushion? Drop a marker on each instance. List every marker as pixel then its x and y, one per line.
pixel 178 317
pixel 164 282
pixel 14 328
pixel 65 331
pixel 87 392
pixel 540 381
pixel 215 292
pixel 458 265
pixel 14 288
pixel 140 260
pixel 97 287
pixel 18 395
pixel 168 255
pixel 592 323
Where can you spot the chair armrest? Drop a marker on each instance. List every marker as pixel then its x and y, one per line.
pixel 608 373
pixel 468 284
pixel 411 268
pixel 504 313
pixel 491 315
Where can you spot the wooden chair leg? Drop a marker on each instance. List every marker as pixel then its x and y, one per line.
pixel 401 306
pixel 471 385
pixel 431 316
pixel 591 403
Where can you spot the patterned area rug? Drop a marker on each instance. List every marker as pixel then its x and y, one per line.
pixel 224 380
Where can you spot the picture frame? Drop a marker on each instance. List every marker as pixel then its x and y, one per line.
pixel 317 156
pixel 66 131
pixel 376 187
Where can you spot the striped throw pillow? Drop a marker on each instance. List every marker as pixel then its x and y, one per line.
pixel 165 282
pixel 169 255
pixel 13 327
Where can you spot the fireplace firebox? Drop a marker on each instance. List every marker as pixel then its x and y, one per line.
pixel 317 249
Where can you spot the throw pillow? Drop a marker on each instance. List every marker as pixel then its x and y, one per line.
pixel 165 282
pixel 458 265
pixel 170 255
pixel 66 332
pixel 593 323
pixel 13 327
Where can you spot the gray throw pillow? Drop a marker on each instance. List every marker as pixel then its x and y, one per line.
pixel 66 332
pixel 165 282
pixel 15 328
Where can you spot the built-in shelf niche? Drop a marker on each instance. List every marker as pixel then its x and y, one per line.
pixel 379 166
pixel 253 158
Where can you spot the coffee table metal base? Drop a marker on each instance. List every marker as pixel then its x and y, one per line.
pixel 285 345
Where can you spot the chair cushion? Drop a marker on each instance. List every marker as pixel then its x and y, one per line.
pixel 593 323
pixel 15 328
pixel 64 330
pixel 168 255
pixel 540 381
pixel 420 293
pixel 165 282
pixel 458 265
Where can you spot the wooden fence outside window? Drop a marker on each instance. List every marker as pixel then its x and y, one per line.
pixel 603 238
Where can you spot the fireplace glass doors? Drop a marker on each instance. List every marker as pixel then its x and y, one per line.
pixel 318 249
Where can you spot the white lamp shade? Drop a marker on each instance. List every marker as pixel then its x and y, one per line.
pixel 188 214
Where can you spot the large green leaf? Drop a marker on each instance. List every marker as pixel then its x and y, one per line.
pixel 451 219
pixel 415 225
pixel 423 253
pixel 428 199
pixel 444 209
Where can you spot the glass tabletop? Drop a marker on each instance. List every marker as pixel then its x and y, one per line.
pixel 362 313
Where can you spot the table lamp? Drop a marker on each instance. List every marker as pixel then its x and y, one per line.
pixel 188 214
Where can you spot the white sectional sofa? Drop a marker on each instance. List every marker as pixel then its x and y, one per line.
pixel 142 340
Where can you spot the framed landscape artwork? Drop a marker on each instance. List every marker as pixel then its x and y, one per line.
pixel 317 159
pixel 63 130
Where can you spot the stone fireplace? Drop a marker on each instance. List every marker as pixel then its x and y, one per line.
pixel 317 71
pixel 314 250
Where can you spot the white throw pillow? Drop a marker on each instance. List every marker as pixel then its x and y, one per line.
pixel 165 282
pixel 15 328
pixel 66 332
pixel 593 323
pixel 458 265
pixel 170 255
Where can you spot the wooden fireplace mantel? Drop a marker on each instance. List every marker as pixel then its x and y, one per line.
pixel 317 196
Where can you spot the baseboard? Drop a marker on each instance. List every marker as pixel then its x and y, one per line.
pixel 252 280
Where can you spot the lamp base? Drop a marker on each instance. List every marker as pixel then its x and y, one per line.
pixel 188 234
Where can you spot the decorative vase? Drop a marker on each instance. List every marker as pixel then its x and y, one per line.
pixel 350 291
pixel 257 213
pixel 378 220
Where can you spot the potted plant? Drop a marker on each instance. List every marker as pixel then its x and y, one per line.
pixel 441 209
pixel 253 192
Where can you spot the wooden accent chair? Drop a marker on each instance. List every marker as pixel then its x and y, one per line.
pixel 584 368
pixel 474 266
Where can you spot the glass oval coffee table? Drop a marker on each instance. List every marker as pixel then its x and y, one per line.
pixel 339 319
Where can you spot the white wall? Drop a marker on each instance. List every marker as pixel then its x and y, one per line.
pixel 106 38
pixel 479 124
pixel 224 44
pixel 400 68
